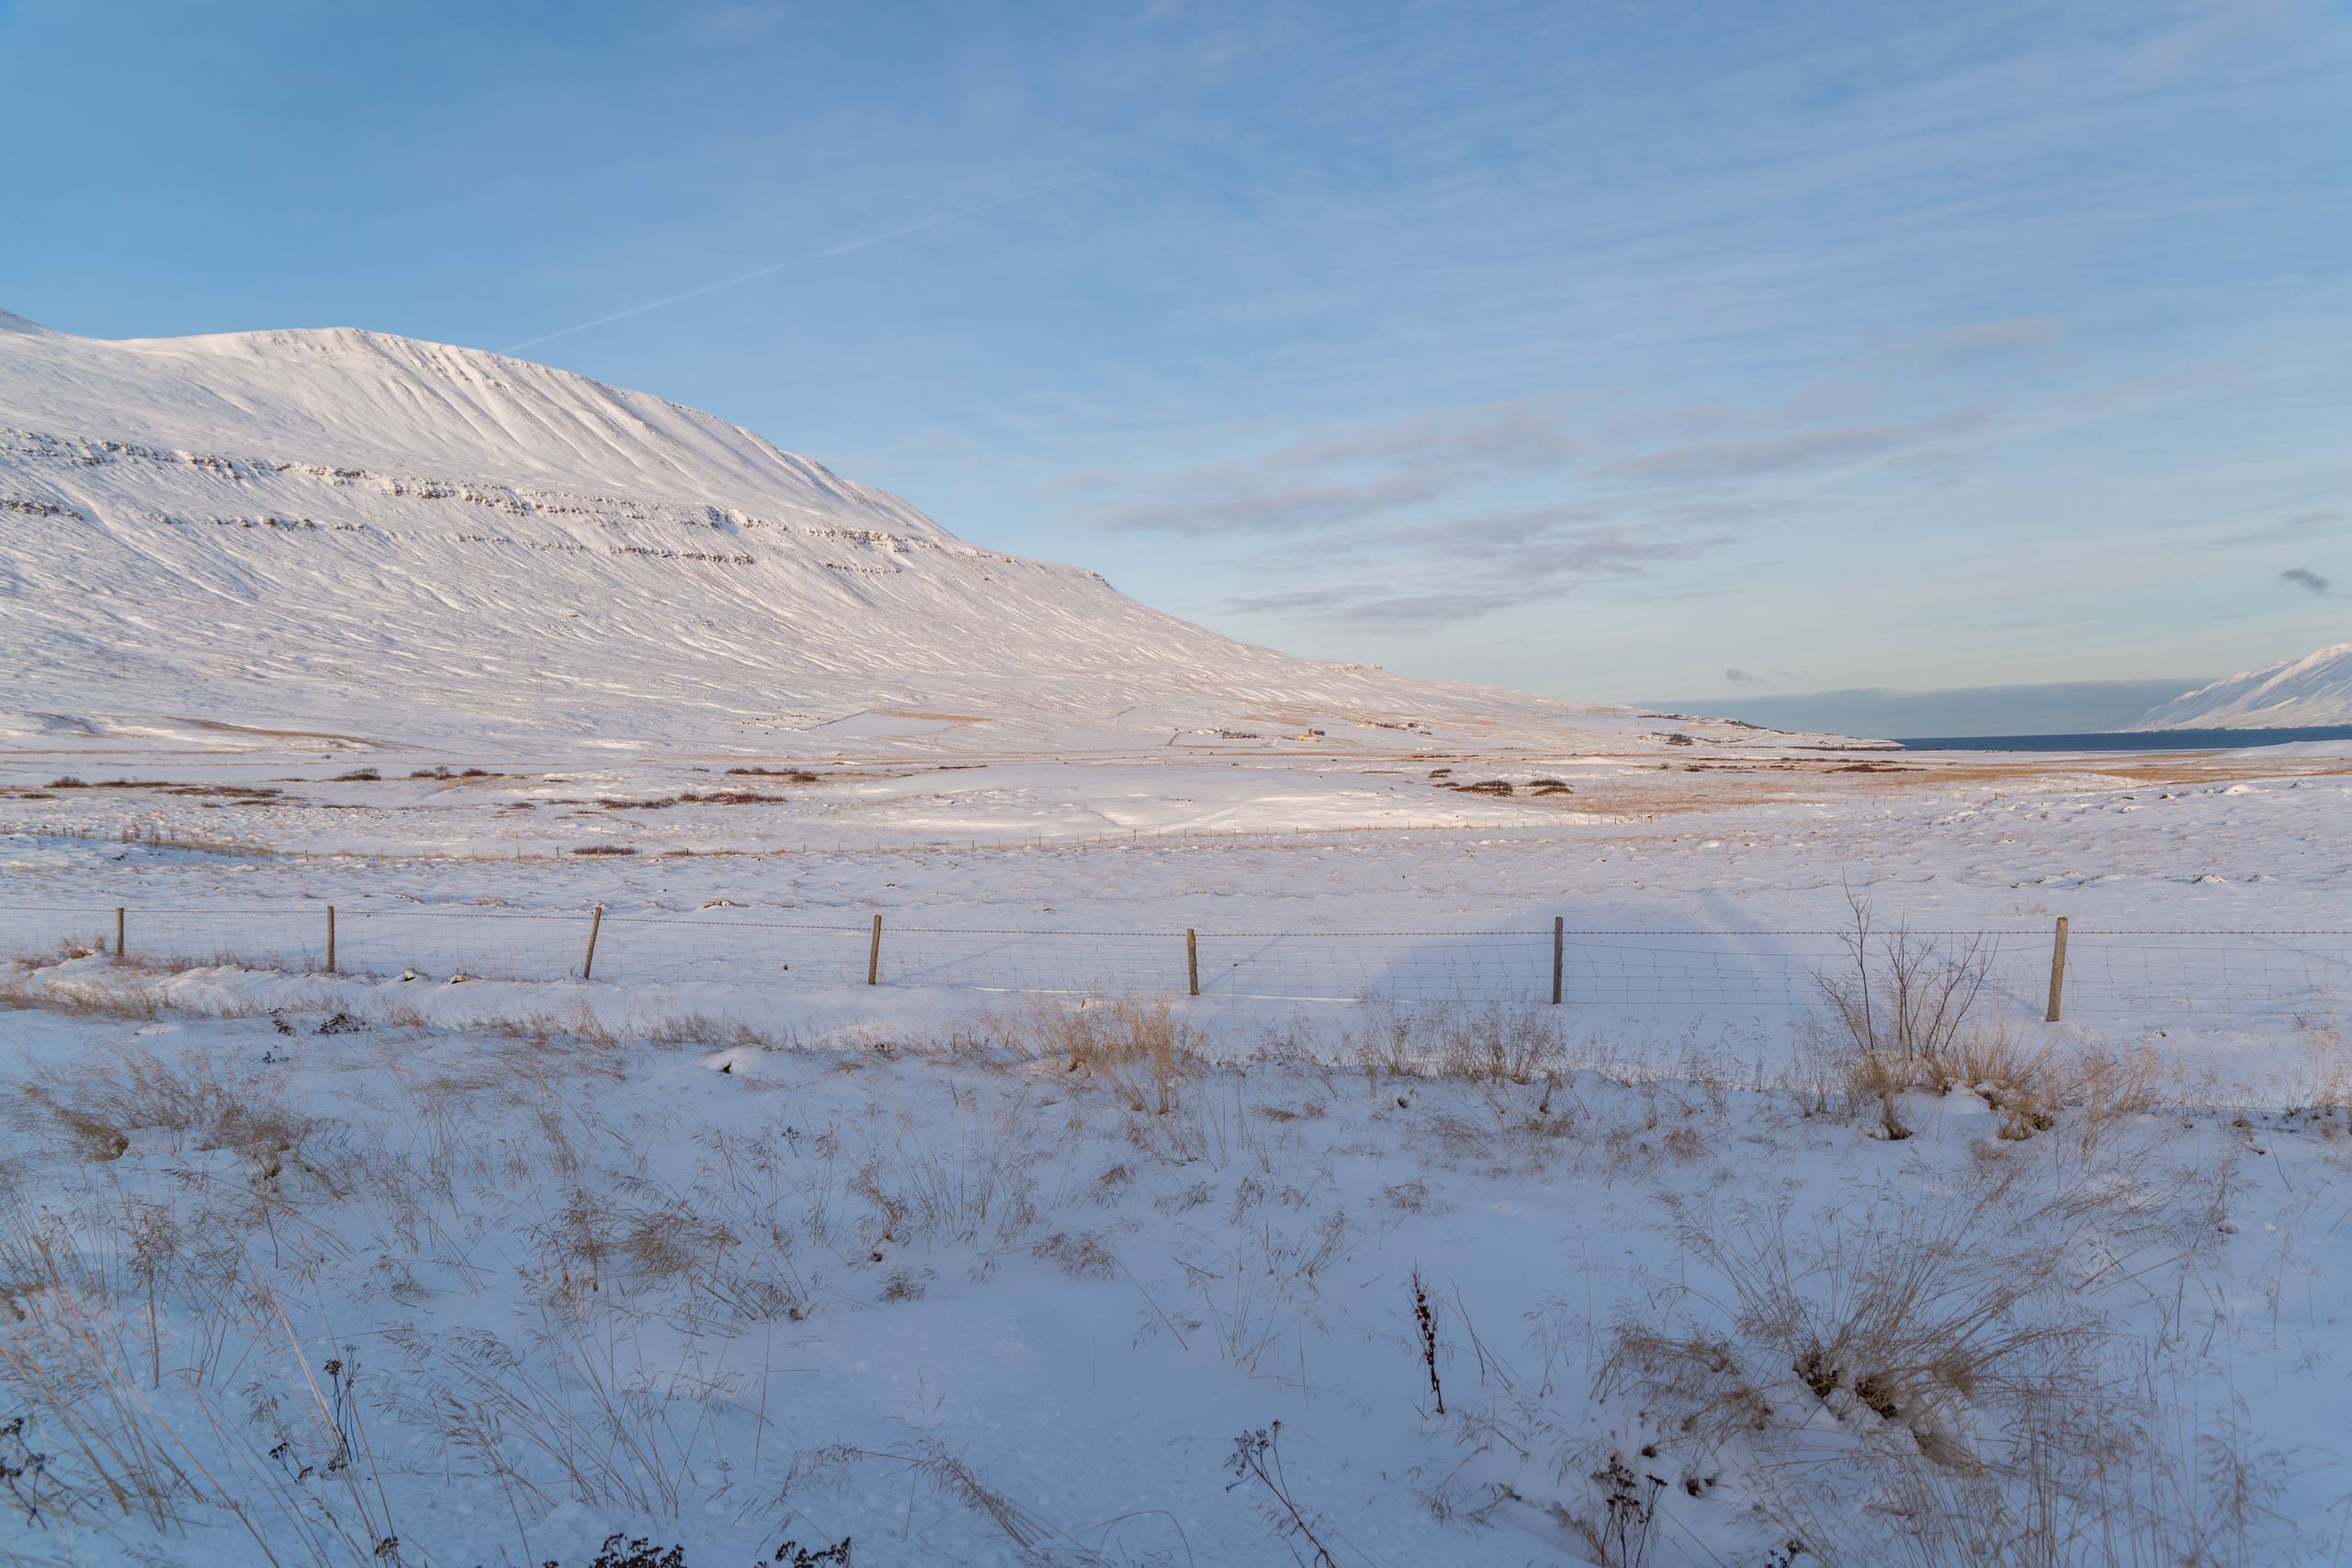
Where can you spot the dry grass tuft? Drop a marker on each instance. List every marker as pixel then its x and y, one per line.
pixel 85 992
pixel 100 1105
pixel 1495 1043
pixel 1140 1051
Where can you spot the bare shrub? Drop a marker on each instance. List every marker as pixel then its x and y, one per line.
pixel 1622 1534
pixel 162 836
pixel 1425 1325
pixel 1904 1000
pixel 696 798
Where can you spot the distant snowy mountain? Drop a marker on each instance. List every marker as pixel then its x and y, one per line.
pixel 2315 689
pixel 341 533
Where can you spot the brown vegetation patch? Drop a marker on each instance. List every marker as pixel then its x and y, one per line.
pixel 694 797
pixel 790 776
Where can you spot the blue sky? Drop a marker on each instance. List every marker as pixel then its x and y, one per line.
pixel 1606 350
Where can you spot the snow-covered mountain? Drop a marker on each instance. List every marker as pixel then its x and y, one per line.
pixel 341 533
pixel 2315 689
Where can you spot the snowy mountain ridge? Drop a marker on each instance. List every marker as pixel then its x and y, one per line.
pixel 2313 690
pixel 355 537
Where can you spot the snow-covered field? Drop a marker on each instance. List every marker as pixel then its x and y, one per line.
pixel 966 1275
pixel 1703 894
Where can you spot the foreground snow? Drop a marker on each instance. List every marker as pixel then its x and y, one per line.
pixel 388 1293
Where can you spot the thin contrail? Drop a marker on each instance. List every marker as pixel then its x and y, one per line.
pixel 792 261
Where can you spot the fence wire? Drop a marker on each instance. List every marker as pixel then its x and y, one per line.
pixel 2110 975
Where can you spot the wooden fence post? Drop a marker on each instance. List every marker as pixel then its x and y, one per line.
pixel 874 955
pixel 330 938
pixel 118 931
pixel 2057 971
pixel 595 924
pixel 1559 955
pixel 1192 960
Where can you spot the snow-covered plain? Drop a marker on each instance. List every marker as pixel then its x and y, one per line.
pixel 720 1261
pixel 494 875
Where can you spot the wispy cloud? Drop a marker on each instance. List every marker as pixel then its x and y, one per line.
pixel 2295 525
pixel 1488 563
pixel 1345 475
pixel 773 267
pixel 2304 577
pixel 1751 458
pixel 1412 524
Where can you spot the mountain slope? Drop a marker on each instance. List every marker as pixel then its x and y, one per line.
pixel 341 531
pixel 2313 690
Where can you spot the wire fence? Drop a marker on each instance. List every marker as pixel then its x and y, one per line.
pixel 2125 975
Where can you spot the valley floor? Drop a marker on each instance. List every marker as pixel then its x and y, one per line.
pixel 314 1269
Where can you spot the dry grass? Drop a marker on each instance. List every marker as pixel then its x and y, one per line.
pixel 692 797
pixel 102 1105
pixel 90 1393
pixel 2324 1089
pixel 1935 1367
pixel 73 1379
pixel 81 994
pixel 162 836
pixel 1914 1316
pixel 1138 1050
